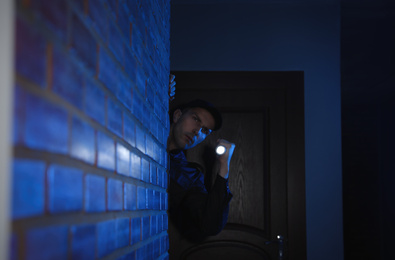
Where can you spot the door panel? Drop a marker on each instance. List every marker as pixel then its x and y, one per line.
pixel 256 108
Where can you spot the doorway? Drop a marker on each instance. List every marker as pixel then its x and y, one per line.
pixel 263 114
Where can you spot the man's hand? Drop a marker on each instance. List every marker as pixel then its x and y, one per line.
pixel 224 159
pixel 172 88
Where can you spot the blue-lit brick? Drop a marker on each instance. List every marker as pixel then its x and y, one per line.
pixel 150 199
pixel 154 225
pixel 141 198
pixel 82 141
pixel 130 196
pixel 129 130
pixel 95 193
pixel 132 7
pixel 113 7
pixel 130 256
pixel 114 117
pixel 146 117
pixel 157 197
pixel 130 65
pixel 47 243
pixel 46 126
pixel 149 146
pixel 160 223
pixel 145 227
pixel 143 253
pixel 167 123
pixel 83 242
pixel 163 114
pixel 138 49
pixel 154 126
pixel 150 45
pixel 145 170
pixel 152 176
pixel 165 134
pixel 158 106
pixel 99 20
pixel 106 152
pixel 106 237
pixel 140 80
pixel 165 179
pixel 67 79
pixel 30 49
pixel 135 166
pixel 161 133
pixel 150 251
pixel 166 201
pixel 162 201
pixel 122 230
pixel 116 44
pixel 156 248
pixel 165 222
pixel 135 230
pixel 140 139
pixel 125 91
pixel 147 66
pixel 160 177
pixel 28 188
pixel 65 189
pixel 156 152
pixel 108 71
pixel 55 15
pixel 163 245
pixel 123 21
pixel 137 108
pixel 166 163
pixel 83 43
pixel 94 102
pixel 114 194
pixel 123 160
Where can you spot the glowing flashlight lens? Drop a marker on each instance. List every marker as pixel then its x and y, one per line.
pixel 220 150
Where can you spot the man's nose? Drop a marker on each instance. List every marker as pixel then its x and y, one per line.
pixel 197 131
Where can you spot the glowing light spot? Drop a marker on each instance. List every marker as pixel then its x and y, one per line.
pixel 220 150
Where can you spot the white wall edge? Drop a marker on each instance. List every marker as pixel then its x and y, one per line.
pixel 7 13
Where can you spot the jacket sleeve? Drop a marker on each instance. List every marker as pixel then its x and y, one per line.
pixel 209 211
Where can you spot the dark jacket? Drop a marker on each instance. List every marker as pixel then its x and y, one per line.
pixel 196 212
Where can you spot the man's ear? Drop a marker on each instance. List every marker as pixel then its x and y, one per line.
pixel 177 115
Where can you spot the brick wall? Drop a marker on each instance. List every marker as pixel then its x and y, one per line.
pixel 90 129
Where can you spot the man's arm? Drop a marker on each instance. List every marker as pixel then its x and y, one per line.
pixel 210 211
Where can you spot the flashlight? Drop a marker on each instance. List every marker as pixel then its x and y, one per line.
pixel 220 150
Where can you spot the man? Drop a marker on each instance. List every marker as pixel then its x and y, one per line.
pixel 196 211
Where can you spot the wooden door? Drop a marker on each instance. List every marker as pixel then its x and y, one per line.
pixel 263 115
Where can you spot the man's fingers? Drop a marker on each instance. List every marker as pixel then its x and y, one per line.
pixel 225 143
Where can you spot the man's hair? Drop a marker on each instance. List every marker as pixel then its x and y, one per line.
pixel 202 104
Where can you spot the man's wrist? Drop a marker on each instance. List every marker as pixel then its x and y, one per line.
pixel 224 172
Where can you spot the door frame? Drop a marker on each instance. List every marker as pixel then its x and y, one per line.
pixel 292 84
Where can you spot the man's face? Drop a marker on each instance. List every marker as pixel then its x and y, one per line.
pixel 190 128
